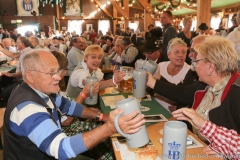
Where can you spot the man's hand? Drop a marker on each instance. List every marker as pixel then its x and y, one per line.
pixel 150 80
pixel 189 115
pixel 128 124
pixel 7 74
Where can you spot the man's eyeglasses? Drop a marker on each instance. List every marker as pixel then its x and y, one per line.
pixel 192 50
pixel 51 74
pixel 194 62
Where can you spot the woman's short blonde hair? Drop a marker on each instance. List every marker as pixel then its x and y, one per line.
pixel 118 42
pixel 186 19
pixel 221 53
pixel 91 48
pixel 173 42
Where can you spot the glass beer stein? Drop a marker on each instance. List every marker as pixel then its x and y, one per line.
pixel 127 82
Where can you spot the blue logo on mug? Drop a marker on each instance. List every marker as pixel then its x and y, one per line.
pixel 173 153
pixel 27 5
pixel 134 84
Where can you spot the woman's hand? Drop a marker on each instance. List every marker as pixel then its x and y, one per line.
pixel 157 75
pixel 150 80
pixel 210 151
pixel 95 89
pixel 118 76
pixel 189 115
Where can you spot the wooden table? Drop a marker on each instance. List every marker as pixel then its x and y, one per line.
pixel 153 133
pixel 6 69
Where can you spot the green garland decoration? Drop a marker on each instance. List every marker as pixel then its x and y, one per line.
pixel 64 4
pixel 81 11
pixel 191 0
pixel 162 8
pixel 172 4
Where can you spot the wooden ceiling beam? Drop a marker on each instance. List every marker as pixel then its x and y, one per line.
pixel 136 7
pixel 146 5
pixel 119 9
pixel 103 8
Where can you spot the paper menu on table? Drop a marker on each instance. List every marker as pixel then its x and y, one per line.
pixel 146 98
pixel 112 100
pixel 127 153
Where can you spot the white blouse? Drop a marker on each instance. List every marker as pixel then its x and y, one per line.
pixel 81 74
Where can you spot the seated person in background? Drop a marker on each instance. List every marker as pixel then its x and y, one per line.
pixel 175 70
pixel 24 46
pixel 32 127
pixel 152 46
pixel 108 47
pixel 7 45
pixel 130 53
pixel 90 67
pixel 72 126
pixel 61 47
pixel 223 141
pixel 147 33
pixel 118 51
pixel 214 95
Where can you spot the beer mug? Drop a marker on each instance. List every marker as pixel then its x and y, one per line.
pixel 107 62
pixel 139 138
pixel 174 140
pixel 140 64
pixel 127 82
pixel 139 83
pixel 151 66
pixel 91 100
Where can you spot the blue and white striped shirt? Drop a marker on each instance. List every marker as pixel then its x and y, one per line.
pixel 32 120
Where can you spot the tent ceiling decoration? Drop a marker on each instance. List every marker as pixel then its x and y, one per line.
pixel 52 2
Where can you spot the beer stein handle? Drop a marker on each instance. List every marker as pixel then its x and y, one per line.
pixel 127 136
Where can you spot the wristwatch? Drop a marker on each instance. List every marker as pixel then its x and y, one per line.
pixel 98 116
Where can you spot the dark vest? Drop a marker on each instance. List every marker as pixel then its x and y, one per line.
pixel 17 147
pixel 140 55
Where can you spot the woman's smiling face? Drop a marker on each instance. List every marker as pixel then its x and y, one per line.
pixel 93 60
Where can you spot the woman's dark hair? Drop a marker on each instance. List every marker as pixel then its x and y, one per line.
pixel 151 25
pixel 110 39
pixel 25 41
pixel 61 58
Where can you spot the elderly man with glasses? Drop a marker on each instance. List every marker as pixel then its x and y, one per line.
pixel 32 128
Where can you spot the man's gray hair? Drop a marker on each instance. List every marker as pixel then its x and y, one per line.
pixel 31 61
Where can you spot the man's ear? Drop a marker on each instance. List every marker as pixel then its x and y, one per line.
pixel 29 76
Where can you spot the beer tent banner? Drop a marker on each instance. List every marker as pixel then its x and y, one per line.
pixel 26 7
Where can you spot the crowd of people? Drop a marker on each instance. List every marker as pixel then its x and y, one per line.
pixel 198 71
